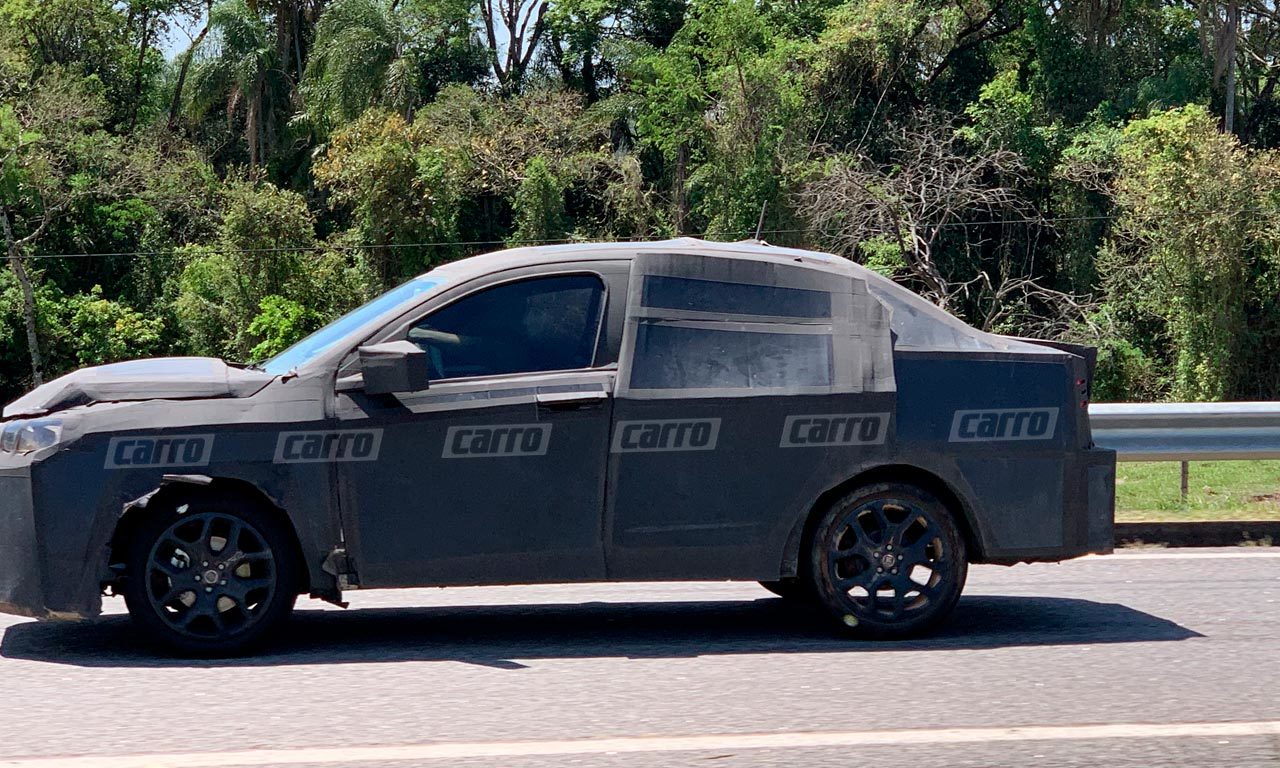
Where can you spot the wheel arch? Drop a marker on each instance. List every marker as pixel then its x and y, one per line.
pixel 179 488
pixel 890 473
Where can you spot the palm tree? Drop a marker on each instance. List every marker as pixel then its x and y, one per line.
pixel 241 72
pixel 364 54
pixel 390 54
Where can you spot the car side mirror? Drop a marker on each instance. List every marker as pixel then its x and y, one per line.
pixel 396 366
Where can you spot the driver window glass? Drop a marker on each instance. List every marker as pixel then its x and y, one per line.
pixel 543 324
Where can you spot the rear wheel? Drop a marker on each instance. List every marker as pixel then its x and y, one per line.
pixel 887 561
pixel 211 576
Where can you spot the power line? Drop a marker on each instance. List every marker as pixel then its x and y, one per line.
pixel 204 250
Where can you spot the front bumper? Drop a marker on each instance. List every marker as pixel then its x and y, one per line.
pixel 21 583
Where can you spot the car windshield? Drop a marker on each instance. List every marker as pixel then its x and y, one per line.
pixel 324 339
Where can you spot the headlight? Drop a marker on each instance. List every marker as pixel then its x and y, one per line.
pixel 29 436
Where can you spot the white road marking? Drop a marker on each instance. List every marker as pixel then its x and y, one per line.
pixel 652 744
pixel 1245 553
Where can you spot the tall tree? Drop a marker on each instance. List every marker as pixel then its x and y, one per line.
pixel 513 30
pixel 54 155
pixel 385 53
pixel 241 72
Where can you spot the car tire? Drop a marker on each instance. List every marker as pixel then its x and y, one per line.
pixel 211 576
pixel 887 561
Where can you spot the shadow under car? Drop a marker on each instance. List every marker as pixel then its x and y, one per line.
pixel 499 635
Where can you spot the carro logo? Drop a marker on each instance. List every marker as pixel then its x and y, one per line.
pixel 497 440
pixel 141 452
pixel 1004 424
pixel 339 445
pixel 666 435
pixel 827 429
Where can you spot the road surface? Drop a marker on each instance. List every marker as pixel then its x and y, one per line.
pixel 1167 657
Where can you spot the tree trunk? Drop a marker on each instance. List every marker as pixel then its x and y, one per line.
pixel 589 77
pixel 682 158
pixel 176 105
pixel 137 76
pixel 1233 34
pixel 28 298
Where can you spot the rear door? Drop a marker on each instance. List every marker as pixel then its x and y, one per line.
pixel 745 386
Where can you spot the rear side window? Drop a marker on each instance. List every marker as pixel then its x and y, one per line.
pixel 540 324
pixel 703 325
pixel 674 357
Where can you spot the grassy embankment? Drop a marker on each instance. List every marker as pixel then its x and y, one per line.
pixel 1218 490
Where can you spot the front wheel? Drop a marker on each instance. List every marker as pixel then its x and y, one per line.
pixel 210 576
pixel 887 561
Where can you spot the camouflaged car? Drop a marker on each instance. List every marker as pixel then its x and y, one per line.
pixel 614 412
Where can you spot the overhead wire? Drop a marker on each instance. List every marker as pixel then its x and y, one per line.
pixel 197 249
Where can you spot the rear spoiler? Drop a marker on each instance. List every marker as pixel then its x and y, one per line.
pixel 1090 354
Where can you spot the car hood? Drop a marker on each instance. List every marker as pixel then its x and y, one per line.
pixel 166 378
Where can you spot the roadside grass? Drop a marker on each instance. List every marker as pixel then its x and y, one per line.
pixel 1217 490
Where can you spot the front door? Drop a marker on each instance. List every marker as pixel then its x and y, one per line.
pixel 495 472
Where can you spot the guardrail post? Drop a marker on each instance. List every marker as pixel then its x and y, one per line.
pixel 1186 466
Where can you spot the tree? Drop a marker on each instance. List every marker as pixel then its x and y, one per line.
pixel 539 206
pixel 1197 228
pixel 911 202
pixel 403 193
pixel 175 103
pixel 514 30
pixel 726 106
pixel 385 53
pixel 54 155
pixel 241 73
pixel 266 247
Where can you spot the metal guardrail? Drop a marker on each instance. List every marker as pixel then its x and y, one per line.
pixel 1187 431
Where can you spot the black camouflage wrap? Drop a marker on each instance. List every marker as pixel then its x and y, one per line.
pixel 734 388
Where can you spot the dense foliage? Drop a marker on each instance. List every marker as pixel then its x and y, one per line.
pixel 1104 171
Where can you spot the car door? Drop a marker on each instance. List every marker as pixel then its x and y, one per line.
pixel 747 387
pixel 494 471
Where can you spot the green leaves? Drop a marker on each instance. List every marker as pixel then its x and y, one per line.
pixel 281 323
pixel 1197 225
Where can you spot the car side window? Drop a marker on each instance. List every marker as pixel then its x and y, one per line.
pixel 539 324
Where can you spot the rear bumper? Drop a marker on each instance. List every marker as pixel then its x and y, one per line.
pixel 21 583
pixel 1100 497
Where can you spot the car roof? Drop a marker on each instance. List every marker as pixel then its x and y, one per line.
pixel 917 323
pixel 514 258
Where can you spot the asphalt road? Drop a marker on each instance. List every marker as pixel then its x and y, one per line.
pixel 1162 658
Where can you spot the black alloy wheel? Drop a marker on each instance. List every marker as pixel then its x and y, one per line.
pixel 887 561
pixel 210 577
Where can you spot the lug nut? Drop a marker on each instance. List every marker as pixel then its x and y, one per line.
pixel 222 566
pixel 899 557
pixel 894 571
pixel 890 547
pixel 224 582
pixel 208 589
pixel 879 570
pixel 205 564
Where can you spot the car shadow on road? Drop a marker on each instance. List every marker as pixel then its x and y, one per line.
pixel 503 636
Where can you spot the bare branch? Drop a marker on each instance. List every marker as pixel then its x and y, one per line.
pixel 930 184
